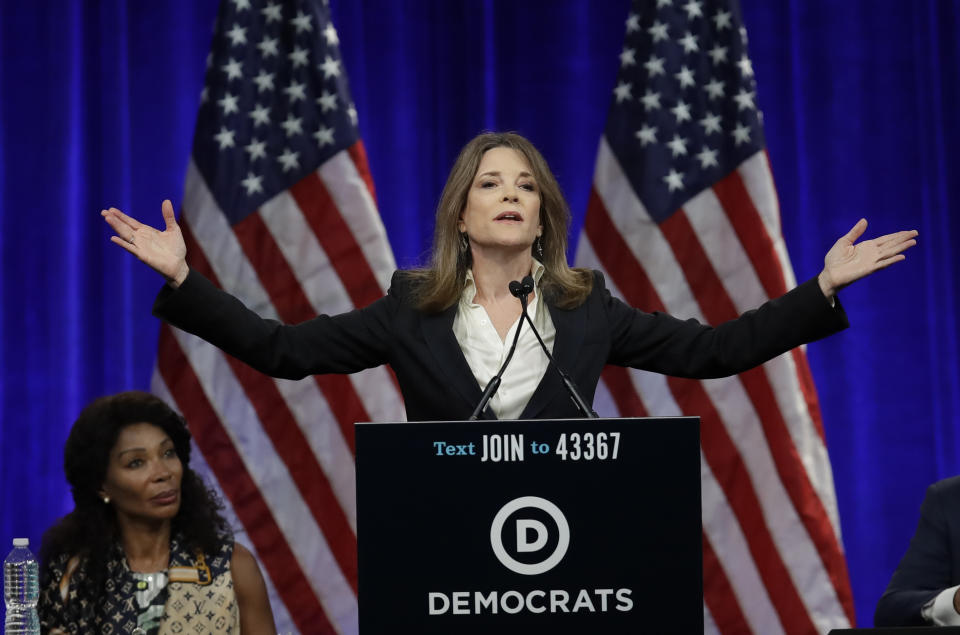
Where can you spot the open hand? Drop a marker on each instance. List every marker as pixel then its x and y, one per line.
pixel 164 251
pixel 848 261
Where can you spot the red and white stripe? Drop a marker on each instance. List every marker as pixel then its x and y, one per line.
pixel 282 452
pixel 773 561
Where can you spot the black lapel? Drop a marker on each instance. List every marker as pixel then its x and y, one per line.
pixel 438 332
pixel 571 327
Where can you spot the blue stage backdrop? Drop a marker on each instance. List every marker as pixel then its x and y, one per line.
pixel 97 102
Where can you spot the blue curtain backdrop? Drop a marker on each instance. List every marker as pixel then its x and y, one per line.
pixel 97 105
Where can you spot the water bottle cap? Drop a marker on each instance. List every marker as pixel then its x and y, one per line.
pixel 21 542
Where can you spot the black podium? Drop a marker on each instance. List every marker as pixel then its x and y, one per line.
pixel 571 526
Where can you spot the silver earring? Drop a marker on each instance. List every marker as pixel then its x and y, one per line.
pixel 106 500
pixel 464 243
pixel 540 246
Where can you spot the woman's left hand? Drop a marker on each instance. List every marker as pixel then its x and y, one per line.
pixel 847 262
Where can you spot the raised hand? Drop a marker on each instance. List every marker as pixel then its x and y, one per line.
pixel 848 261
pixel 164 251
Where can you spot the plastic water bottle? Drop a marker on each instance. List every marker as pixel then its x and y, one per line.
pixel 21 589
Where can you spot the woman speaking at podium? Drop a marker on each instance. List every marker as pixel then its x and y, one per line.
pixel 445 329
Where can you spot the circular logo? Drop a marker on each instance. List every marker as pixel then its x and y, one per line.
pixel 523 531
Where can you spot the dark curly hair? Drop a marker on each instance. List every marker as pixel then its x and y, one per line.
pixel 90 530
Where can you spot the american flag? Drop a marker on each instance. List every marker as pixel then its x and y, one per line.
pixel 683 217
pixel 279 210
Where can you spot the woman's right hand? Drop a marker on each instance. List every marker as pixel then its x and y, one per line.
pixel 165 252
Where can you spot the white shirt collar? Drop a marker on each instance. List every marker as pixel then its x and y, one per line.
pixel 470 288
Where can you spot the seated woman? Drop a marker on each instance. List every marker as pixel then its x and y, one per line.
pixel 145 547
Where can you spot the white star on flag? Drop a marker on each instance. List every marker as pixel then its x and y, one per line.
pixel 674 180
pixel 224 138
pixel 744 99
pixel 268 46
pixel 298 57
pixel 694 9
pixel 260 115
pixel 741 134
pixel 302 22
pixel 295 91
pixel 264 81
pixel 722 20
pixel 678 145
pixel 646 134
pixel 237 35
pixel 681 111
pixel 685 77
pixel 271 12
pixel 658 31
pixel 256 149
pixel 330 67
pixel 689 43
pixel 324 136
pixel 718 54
pixel 654 65
pixel 714 89
pixel 710 123
pixel 229 104
pixel 252 183
pixel 330 34
pixel 292 125
pixel 708 158
pixel 651 100
pixel 233 69
pixel 288 159
pixel 327 101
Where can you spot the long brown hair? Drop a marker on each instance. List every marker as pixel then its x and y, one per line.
pixel 440 284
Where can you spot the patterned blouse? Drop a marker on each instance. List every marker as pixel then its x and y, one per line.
pixel 195 594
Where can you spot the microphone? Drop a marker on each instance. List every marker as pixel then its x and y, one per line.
pixel 494 382
pixel 523 290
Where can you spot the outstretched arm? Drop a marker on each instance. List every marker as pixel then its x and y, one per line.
pixel 848 261
pixel 164 251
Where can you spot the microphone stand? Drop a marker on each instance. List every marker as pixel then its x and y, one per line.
pixel 526 286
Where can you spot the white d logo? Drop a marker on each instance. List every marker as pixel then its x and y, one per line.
pixel 524 527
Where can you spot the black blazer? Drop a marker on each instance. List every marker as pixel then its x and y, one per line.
pixel 932 561
pixel 434 377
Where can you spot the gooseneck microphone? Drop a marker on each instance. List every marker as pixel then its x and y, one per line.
pixel 494 382
pixel 523 289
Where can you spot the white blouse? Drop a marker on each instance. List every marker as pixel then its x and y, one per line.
pixel 485 351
